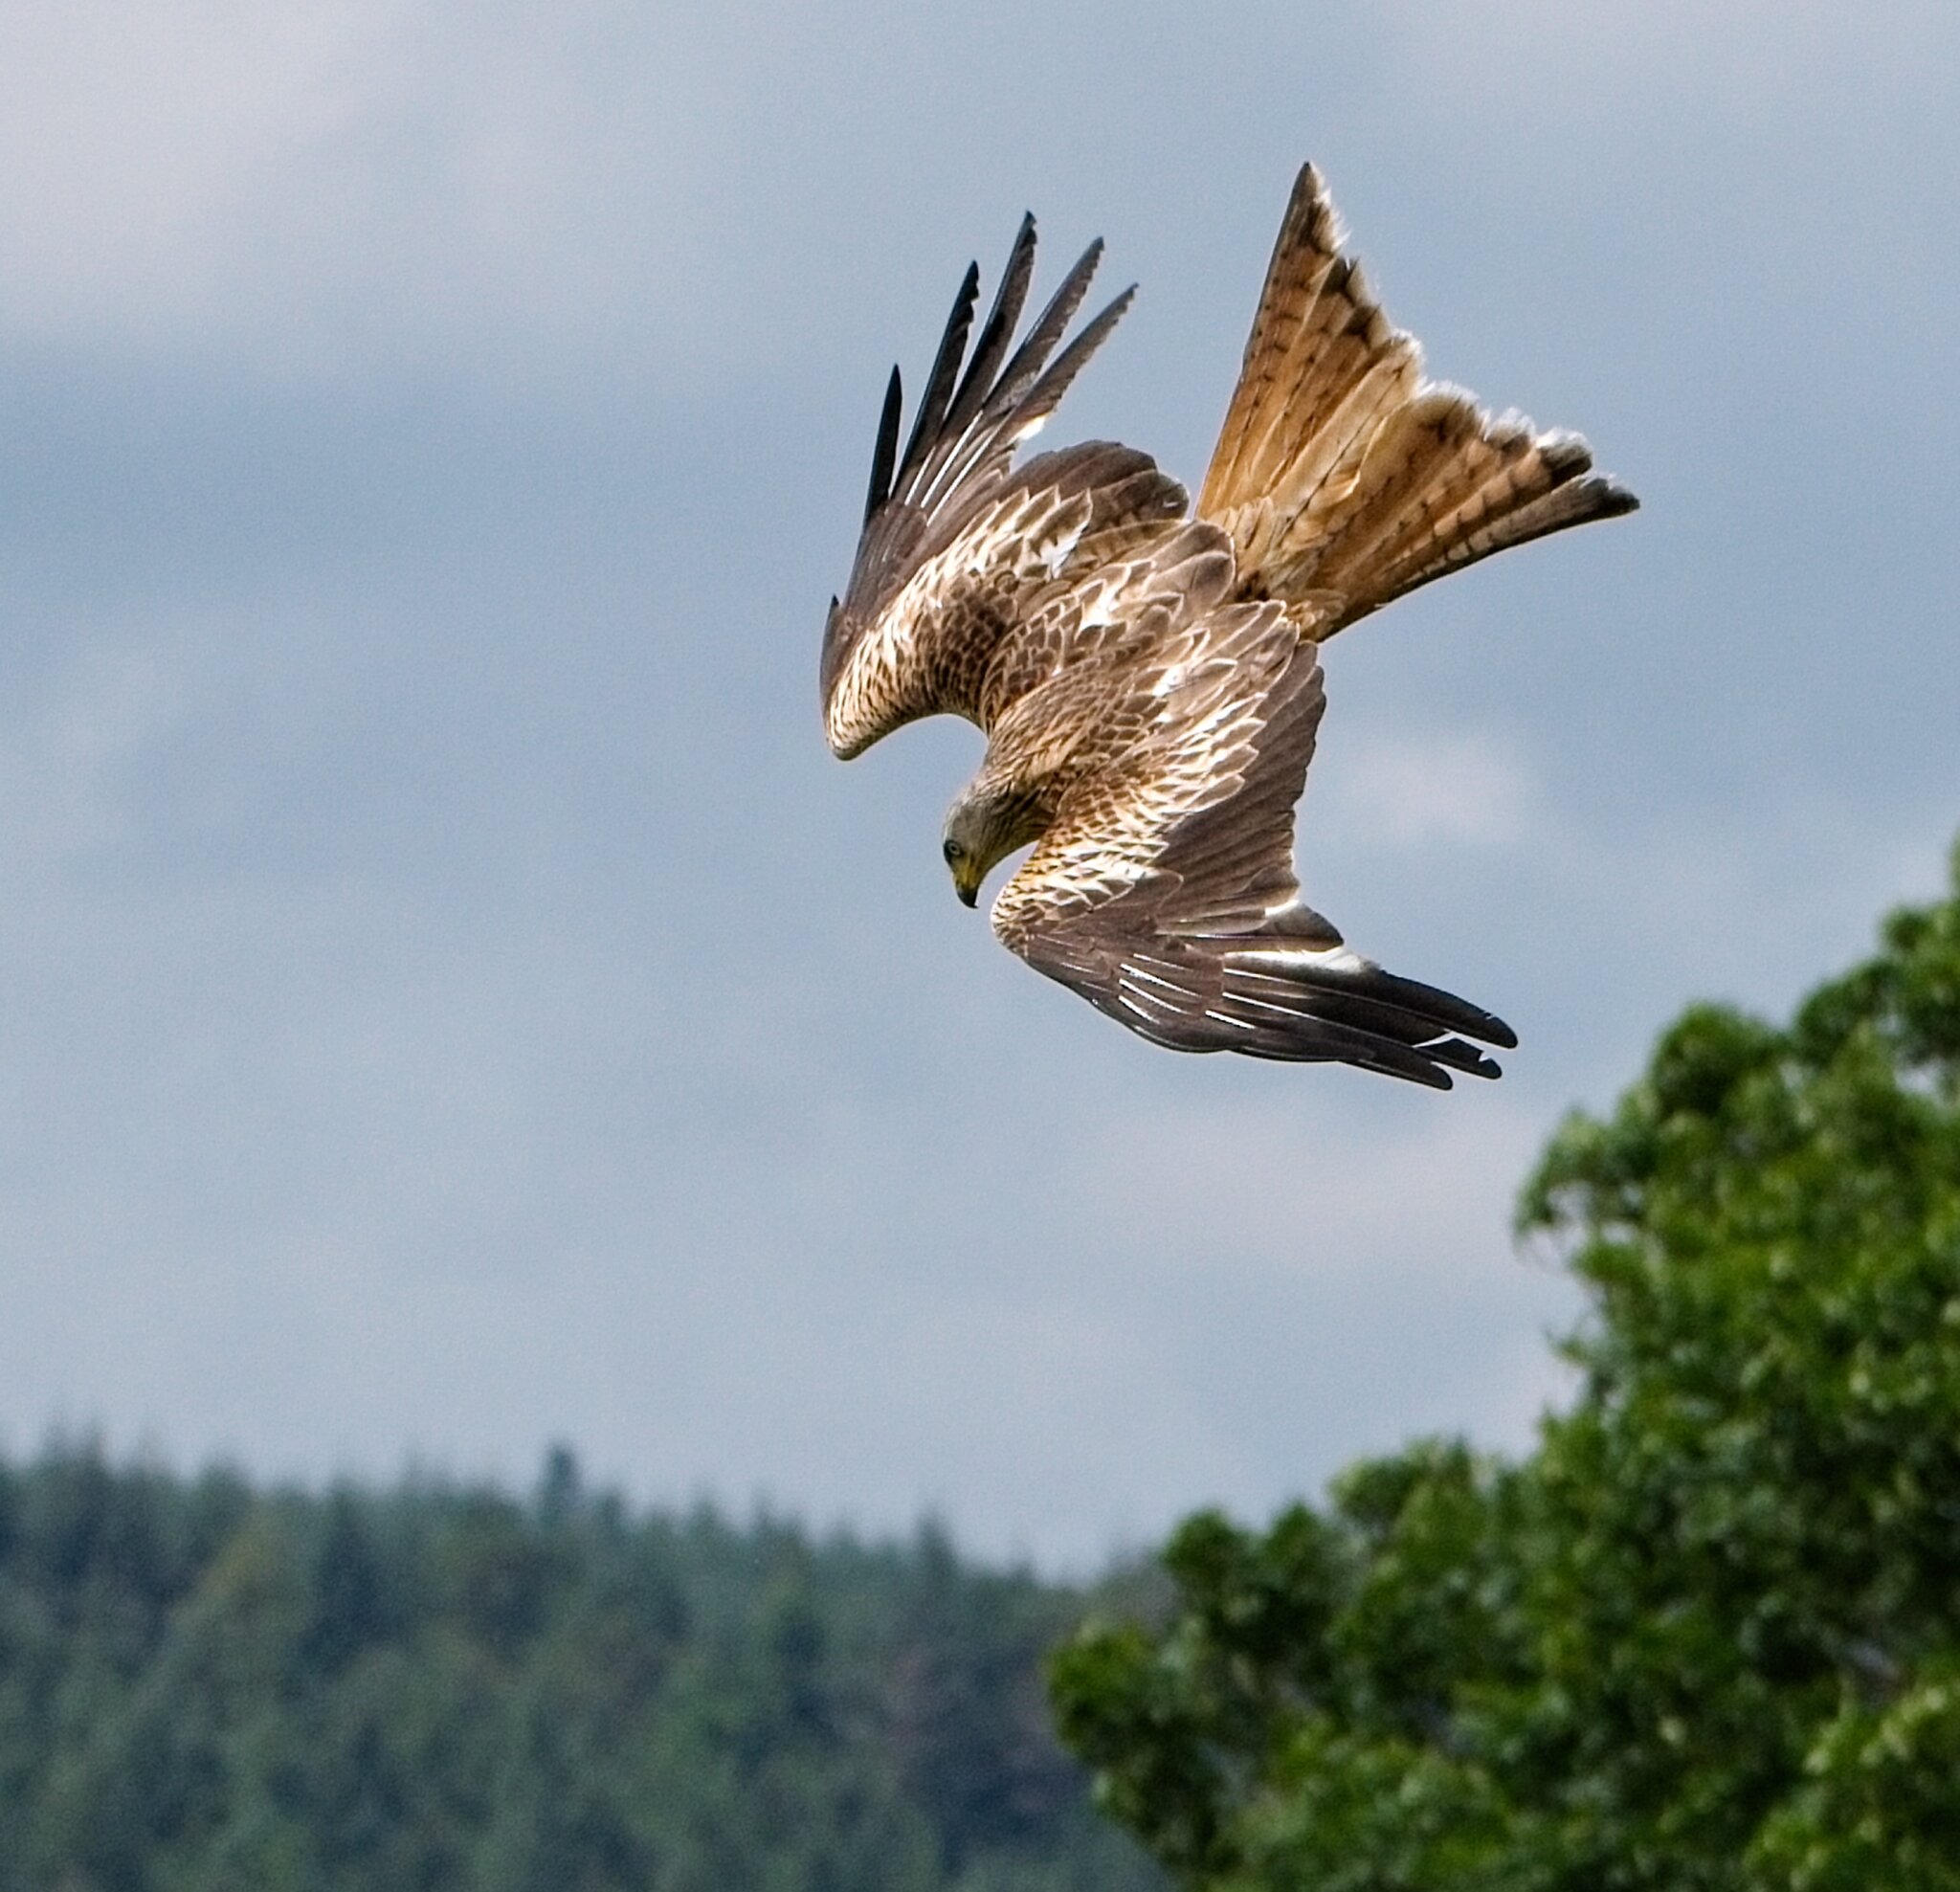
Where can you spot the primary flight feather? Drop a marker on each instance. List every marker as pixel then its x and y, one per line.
pixel 1150 681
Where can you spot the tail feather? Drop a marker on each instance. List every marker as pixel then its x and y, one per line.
pixel 1344 478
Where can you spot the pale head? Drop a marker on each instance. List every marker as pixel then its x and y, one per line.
pixel 986 825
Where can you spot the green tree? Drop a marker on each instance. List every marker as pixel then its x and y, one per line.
pixel 1707 1636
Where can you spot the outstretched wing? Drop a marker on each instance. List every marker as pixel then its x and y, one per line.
pixel 1344 476
pixel 1165 891
pixel 954 539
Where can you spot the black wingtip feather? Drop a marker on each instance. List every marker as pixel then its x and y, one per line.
pixel 1041 339
pixel 886 452
pixel 939 384
pixel 997 330
pixel 1045 395
pixel 1396 1024
pixel 1430 1002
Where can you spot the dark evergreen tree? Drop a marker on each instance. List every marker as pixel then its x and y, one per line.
pixel 203 1689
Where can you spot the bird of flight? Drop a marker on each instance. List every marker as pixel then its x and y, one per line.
pixel 1148 676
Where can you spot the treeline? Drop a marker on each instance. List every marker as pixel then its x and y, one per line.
pixel 207 1686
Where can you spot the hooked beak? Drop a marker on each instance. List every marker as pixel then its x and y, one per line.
pixel 968 890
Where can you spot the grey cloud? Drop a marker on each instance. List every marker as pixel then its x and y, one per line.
pixel 454 1000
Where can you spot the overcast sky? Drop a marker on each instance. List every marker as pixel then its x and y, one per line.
pixel 454 1001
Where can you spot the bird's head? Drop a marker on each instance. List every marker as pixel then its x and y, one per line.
pixel 982 828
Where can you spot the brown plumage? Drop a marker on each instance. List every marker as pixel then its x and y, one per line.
pixel 1150 682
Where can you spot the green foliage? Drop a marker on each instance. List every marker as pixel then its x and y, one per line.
pixel 205 1689
pixel 1708 1635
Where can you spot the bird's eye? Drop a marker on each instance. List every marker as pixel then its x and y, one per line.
pixel 953 851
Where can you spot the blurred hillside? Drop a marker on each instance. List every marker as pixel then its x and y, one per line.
pixel 207 1684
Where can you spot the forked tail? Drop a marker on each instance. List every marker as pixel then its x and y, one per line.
pixel 1343 478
